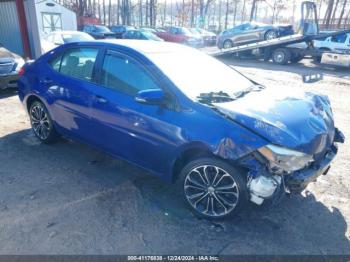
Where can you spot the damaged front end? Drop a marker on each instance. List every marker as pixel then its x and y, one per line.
pixel 300 134
pixel 275 170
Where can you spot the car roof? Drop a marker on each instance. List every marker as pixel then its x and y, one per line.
pixel 145 46
pixel 67 32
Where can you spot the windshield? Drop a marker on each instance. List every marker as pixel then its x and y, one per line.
pixel 196 73
pixel 102 29
pixel 150 35
pixel 70 38
pixel 194 31
pixel 185 31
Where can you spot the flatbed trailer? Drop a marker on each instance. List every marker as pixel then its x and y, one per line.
pixel 292 48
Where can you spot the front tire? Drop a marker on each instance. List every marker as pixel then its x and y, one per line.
pixel 212 188
pixel 41 122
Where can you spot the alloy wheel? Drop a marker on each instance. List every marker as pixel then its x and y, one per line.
pixel 227 44
pixel 271 35
pixel 40 121
pixel 211 191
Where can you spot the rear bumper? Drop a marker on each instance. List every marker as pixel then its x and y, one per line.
pixel 9 81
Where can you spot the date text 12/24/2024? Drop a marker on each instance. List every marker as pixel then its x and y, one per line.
pixel 173 258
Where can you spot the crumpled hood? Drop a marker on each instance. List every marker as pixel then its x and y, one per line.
pixel 289 118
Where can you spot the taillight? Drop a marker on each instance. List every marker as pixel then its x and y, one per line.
pixel 21 71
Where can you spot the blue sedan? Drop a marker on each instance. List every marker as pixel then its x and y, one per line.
pixel 221 138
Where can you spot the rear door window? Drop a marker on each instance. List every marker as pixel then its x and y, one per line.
pixel 78 63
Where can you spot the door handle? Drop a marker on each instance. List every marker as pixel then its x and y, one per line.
pixel 46 81
pixel 101 100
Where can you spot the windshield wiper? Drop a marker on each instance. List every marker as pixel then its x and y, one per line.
pixel 214 97
pixel 248 90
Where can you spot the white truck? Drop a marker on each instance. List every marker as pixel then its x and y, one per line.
pixel 336 43
pixel 336 50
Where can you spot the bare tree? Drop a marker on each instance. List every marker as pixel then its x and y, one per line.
pixel 347 18
pixel 243 11
pixel 109 12
pixel 342 13
pixel 203 8
pixel 235 13
pixel 192 13
pixel 252 10
pixel 334 12
pixel 104 11
pixel 147 13
pixel 328 14
pixel 226 13
pixel 140 13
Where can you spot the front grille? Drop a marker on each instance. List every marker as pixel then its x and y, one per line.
pixel 6 68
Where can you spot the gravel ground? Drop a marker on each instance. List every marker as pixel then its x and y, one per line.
pixel 68 198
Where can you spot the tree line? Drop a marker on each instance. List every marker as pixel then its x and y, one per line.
pixel 220 14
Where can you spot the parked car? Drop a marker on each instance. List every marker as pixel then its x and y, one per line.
pixel 141 35
pixel 56 38
pixel 337 43
pixel 148 29
pixel 181 35
pixel 99 31
pixel 251 32
pixel 209 38
pixel 120 30
pixel 184 116
pixel 10 64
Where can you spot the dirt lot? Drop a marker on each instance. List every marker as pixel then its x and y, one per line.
pixel 68 198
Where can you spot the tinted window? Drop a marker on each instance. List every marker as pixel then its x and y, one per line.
pixel 125 75
pixel 78 63
pixel 339 38
pixel 118 29
pixel 102 29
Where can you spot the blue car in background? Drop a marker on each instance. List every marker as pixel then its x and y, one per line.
pixel 221 138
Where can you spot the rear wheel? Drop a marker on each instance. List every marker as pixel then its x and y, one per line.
pixel 212 188
pixel 281 56
pixel 271 34
pixel 227 44
pixel 41 122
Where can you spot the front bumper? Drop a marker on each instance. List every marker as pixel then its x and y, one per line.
pixel 299 180
pixel 9 81
pixel 264 184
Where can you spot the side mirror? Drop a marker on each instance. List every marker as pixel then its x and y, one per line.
pixel 150 96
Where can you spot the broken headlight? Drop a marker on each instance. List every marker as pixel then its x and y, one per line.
pixel 283 159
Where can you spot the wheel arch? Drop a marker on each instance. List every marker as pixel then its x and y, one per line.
pixel 30 99
pixel 325 49
pixel 196 150
pixel 187 154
